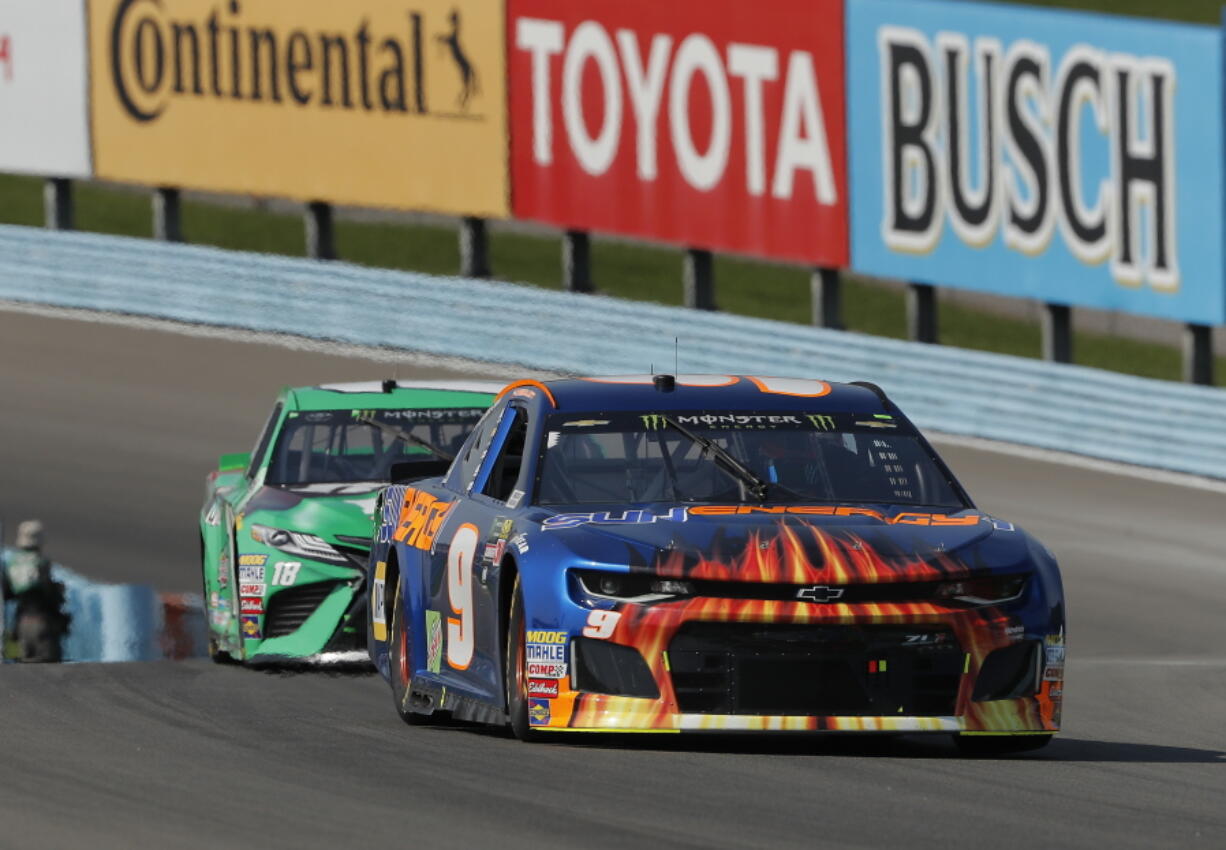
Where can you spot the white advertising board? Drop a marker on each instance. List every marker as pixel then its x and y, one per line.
pixel 44 112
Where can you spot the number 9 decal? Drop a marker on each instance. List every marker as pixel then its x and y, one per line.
pixel 460 638
pixel 601 624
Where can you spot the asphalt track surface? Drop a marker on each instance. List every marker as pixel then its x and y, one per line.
pixel 106 433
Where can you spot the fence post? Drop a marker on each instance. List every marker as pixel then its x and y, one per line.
pixel 474 248
pixel 320 236
pixel 698 276
pixel 167 220
pixel 57 203
pixel 827 298
pixel 577 261
pixel 922 319
pixel 1057 333
pixel 1198 354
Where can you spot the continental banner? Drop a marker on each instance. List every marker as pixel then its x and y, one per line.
pixel 1061 156
pixel 380 103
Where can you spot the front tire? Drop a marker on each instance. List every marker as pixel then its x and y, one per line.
pixel 400 661
pixel 514 668
pixel 1000 745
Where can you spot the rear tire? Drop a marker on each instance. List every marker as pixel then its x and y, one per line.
pixel 400 661
pixel 1000 745
pixel 514 669
pixel 216 655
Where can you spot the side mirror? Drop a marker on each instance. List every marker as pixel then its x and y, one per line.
pixel 234 462
pixel 414 470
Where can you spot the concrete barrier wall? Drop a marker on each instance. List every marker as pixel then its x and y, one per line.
pixel 128 622
pixel 1067 408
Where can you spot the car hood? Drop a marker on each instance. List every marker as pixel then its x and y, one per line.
pixel 797 544
pixel 327 510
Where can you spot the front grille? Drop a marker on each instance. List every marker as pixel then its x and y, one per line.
pixel 358 557
pixel 879 592
pixel 288 609
pixel 743 668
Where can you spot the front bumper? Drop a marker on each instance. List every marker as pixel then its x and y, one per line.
pixel 741 666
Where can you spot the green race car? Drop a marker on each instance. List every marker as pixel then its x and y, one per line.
pixel 285 531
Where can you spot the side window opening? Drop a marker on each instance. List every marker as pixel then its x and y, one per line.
pixel 505 472
pixel 265 438
pixel 466 463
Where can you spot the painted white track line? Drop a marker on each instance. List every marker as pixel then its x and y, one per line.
pixel 396 355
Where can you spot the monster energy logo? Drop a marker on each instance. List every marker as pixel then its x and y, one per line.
pixel 364 414
pixel 820 421
pixel 654 421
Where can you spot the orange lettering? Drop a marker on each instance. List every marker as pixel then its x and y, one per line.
pixel 941 519
pixel 858 512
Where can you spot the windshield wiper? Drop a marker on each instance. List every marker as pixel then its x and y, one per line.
pixel 729 462
pixel 407 436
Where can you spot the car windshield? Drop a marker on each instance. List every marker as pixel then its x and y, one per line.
pixel 756 456
pixel 334 446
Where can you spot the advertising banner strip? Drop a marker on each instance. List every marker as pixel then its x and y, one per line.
pixel 721 130
pixel 43 88
pixel 379 103
pixel 1068 157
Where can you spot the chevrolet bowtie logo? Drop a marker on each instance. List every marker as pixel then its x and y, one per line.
pixel 819 593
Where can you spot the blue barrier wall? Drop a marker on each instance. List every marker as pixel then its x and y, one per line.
pixel 1067 408
pixel 121 622
pixel 1038 153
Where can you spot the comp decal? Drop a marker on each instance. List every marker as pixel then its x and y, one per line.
pixel 545 653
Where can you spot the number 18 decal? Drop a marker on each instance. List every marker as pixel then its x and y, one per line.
pixel 460 638
pixel 285 573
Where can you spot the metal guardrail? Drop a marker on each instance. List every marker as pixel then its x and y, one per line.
pixel 1066 408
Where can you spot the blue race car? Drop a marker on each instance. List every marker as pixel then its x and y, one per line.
pixel 712 553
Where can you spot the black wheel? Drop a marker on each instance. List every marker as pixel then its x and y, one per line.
pixel 216 655
pixel 515 667
pixel 400 661
pixel 1000 745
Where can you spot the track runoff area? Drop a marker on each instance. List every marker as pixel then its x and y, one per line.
pixel 112 426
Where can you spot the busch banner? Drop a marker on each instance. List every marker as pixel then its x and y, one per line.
pixel 722 130
pixel 386 103
pixel 1067 157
